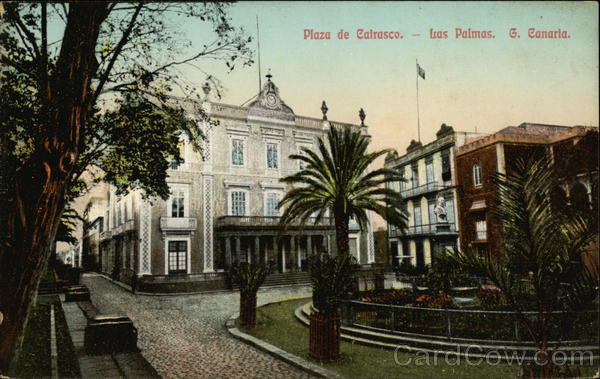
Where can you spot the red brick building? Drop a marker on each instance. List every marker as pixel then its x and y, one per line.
pixel 573 149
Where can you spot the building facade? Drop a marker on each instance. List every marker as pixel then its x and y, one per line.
pixel 573 149
pixel 93 226
pixel 223 204
pixel 429 192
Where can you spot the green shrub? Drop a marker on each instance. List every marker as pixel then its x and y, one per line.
pixel 249 276
pixel 332 279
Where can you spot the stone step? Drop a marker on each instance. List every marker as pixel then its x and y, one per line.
pixel 284 279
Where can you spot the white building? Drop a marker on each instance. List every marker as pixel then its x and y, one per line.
pixel 223 204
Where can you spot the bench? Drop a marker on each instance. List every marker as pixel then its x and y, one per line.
pixel 105 334
pixel 77 293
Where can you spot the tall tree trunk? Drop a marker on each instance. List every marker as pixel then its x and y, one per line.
pixel 247 309
pixel 324 336
pixel 40 187
pixel 341 233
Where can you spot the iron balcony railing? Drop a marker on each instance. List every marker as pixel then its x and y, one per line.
pixel 178 223
pixel 105 235
pixel 422 189
pixel 437 229
pixel 127 226
pixel 266 221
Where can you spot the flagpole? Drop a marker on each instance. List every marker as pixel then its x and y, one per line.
pixel 258 44
pixel 418 119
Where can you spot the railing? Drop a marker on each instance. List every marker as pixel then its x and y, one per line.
pixel 438 229
pixel 266 221
pixel 124 227
pixel 105 235
pixel 425 150
pixel 234 111
pixel 309 122
pixel 422 189
pixel 462 323
pixel 178 223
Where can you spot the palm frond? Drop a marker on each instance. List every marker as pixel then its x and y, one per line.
pixel 336 177
pixel 539 265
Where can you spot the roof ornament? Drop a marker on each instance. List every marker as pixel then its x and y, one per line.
pixel 269 76
pixel 362 116
pixel 324 109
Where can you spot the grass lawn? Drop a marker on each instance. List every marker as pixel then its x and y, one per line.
pixel 277 325
pixel 34 359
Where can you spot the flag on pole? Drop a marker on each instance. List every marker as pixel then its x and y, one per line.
pixel 420 71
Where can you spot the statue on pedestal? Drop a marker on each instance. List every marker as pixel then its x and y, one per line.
pixel 440 210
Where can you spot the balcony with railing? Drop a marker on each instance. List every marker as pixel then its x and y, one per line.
pixel 427 229
pixel 125 227
pixel 107 234
pixel 178 224
pixel 423 189
pixel 268 222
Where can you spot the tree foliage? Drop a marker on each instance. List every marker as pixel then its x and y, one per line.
pixel 140 55
pixel 91 84
pixel 539 266
pixel 249 276
pixel 336 180
pixel 68 226
pixel 332 280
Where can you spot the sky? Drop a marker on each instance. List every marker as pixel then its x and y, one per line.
pixel 478 85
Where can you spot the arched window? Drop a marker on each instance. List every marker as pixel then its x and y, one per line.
pixel 476 174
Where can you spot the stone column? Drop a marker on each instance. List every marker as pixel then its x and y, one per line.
pixel 309 251
pixel 257 248
pixel 248 253
pixel 331 245
pixel 283 257
pixel 228 251
pixel 293 250
pixel 266 254
pixel 275 250
pixel 238 249
pixel 299 253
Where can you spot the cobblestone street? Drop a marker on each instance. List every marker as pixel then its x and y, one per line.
pixel 183 336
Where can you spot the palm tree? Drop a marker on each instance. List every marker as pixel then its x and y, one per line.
pixel 539 266
pixel 65 233
pixel 337 180
pixel 249 277
pixel 331 279
pixel 67 227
